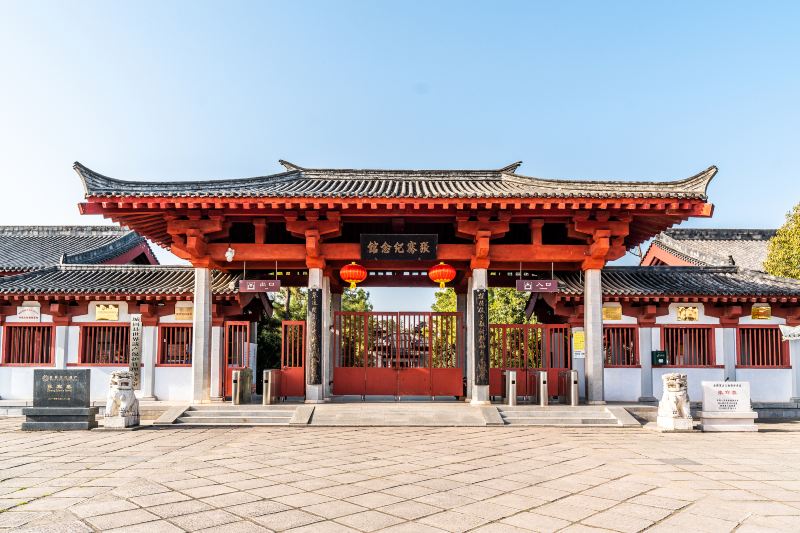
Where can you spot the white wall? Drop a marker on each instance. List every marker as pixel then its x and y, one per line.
pixel 173 383
pixel 622 384
pixel 767 384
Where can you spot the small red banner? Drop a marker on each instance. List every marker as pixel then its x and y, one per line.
pixel 259 285
pixel 537 285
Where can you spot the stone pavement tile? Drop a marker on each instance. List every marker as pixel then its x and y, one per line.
pixel 323 527
pixel 237 527
pixel 302 499
pixel 8 503
pixel 565 511
pixel 159 526
pixel 516 501
pixel 230 499
pixel 275 491
pixel 440 484
pixel 16 519
pixel 124 518
pixel 542 493
pixel 169 510
pixel 694 522
pixel 445 500
pixel 313 484
pixel 334 509
pixel 207 491
pixel 409 491
pixel 61 526
pixel 203 520
pixel 158 499
pixel 37 492
pixel 535 522
pixel 476 492
pixel 101 506
pixel 591 502
pixel 654 501
pixel 51 503
pixel 341 491
pixel 654 514
pixel 774 523
pixel 283 520
pixel 580 528
pixel 410 510
pixel 618 522
pixel 412 527
pixel 188 483
pixel 371 500
pixel 490 511
pixel 454 522
pixel 138 488
pixel 254 483
pixel 503 485
pixel 259 508
pixel 369 520
pixel 497 527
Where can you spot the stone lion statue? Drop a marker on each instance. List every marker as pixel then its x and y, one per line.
pixel 121 400
pixel 675 401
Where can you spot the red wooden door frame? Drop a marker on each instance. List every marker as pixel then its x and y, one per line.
pixel 242 358
pixel 293 358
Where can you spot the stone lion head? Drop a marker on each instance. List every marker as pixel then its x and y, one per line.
pixel 674 382
pixel 122 379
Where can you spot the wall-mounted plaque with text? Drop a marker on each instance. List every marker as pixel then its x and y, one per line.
pixel 399 247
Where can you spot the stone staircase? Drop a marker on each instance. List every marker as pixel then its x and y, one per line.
pixel 558 415
pixel 237 415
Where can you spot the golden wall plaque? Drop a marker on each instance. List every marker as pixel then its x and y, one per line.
pixel 184 313
pixel 688 313
pixel 762 312
pixel 106 312
pixel 612 313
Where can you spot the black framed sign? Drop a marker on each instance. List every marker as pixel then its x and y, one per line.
pixel 399 247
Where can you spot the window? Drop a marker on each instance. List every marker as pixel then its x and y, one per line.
pixel 762 347
pixel 688 346
pixel 28 345
pixel 175 345
pixel 620 346
pixel 105 344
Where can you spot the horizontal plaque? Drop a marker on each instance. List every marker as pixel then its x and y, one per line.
pixel 537 285
pixel 106 312
pixel 259 285
pixel 399 247
pixel 612 313
pixel 761 312
pixel 26 313
pixel 184 313
pixel 688 314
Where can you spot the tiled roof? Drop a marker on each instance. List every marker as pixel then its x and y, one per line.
pixel 24 248
pixel 679 281
pixel 299 182
pixel 718 247
pixel 114 279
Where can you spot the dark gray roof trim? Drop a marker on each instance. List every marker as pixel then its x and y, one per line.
pixel 25 248
pixel 302 182
pixel 680 281
pixel 711 234
pixel 114 279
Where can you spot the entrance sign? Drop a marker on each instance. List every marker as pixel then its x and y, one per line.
pixel 314 336
pixel 106 312
pixel 481 313
pixel 27 313
pixel 184 312
pixel 135 360
pixel 761 312
pixel 259 285
pixel 399 247
pixel 537 285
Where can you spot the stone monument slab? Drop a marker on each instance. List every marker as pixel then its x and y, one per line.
pixel 726 407
pixel 61 401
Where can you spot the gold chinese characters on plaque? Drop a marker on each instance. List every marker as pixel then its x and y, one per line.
pixel 612 313
pixel 106 312
pixel 184 313
pixel 761 312
pixel 688 313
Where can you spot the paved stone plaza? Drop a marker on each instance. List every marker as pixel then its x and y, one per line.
pixel 399 479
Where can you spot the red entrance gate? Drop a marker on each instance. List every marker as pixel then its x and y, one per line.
pixel 398 354
pixel 293 357
pixel 525 348
pixel 237 350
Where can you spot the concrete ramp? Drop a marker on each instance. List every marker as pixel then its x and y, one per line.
pixel 565 415
pixel 398 414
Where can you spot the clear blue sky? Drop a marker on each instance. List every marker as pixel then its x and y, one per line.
pixel 180 90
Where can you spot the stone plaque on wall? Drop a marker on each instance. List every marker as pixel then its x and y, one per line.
pixel 106 312
pixel 314 324
pixel 135 359
pixel 688 313
pixel 61 388
pixel 480 311
pixel 184 313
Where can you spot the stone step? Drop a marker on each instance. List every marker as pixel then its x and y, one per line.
pixel 575 422
pixel 556 414
pixel 248 407
pixel 248 413
pixel 233 420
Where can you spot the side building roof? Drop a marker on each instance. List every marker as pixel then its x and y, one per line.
pixel 711 247
pixel 26 248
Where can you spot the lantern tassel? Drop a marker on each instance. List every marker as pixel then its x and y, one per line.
pixel 441 284
pixel 352 285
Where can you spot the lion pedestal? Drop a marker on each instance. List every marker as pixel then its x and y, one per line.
pixel 673 409
pixel 122 407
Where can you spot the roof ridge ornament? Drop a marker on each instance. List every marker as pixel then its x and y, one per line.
pixel 290 166
pixel 510 169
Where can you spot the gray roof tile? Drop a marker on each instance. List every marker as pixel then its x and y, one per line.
pixel 299 182
pixel 717 247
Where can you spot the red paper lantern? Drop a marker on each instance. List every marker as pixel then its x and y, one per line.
pixel 353 273
pixel 442 273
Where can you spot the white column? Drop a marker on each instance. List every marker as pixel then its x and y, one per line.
pixel 593 325
pixel 336 306
pixel 315 340
pixel 149 359
pixel 201 336
pixel 480 391
pixel 217 363
pixel 62 341
pixel 728 353
pixel 646 364
pixel 794 359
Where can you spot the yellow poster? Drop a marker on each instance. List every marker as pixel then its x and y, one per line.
pixel 579 341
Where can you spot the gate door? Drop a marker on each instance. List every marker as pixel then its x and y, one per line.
pixel 293 357
pixel 446 352
pixel 237 350
pixel 559 353
pixel 348 370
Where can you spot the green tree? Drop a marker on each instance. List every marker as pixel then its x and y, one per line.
pixel 356 300
pixel 506 305
pixel 783 255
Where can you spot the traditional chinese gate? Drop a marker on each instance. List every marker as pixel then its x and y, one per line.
pixel 398 354
pixel 525 348
pixel 293 357
pixel 237 350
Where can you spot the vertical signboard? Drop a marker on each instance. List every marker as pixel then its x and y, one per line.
pixel 481 313
pixel 314 321
pixel 135 360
